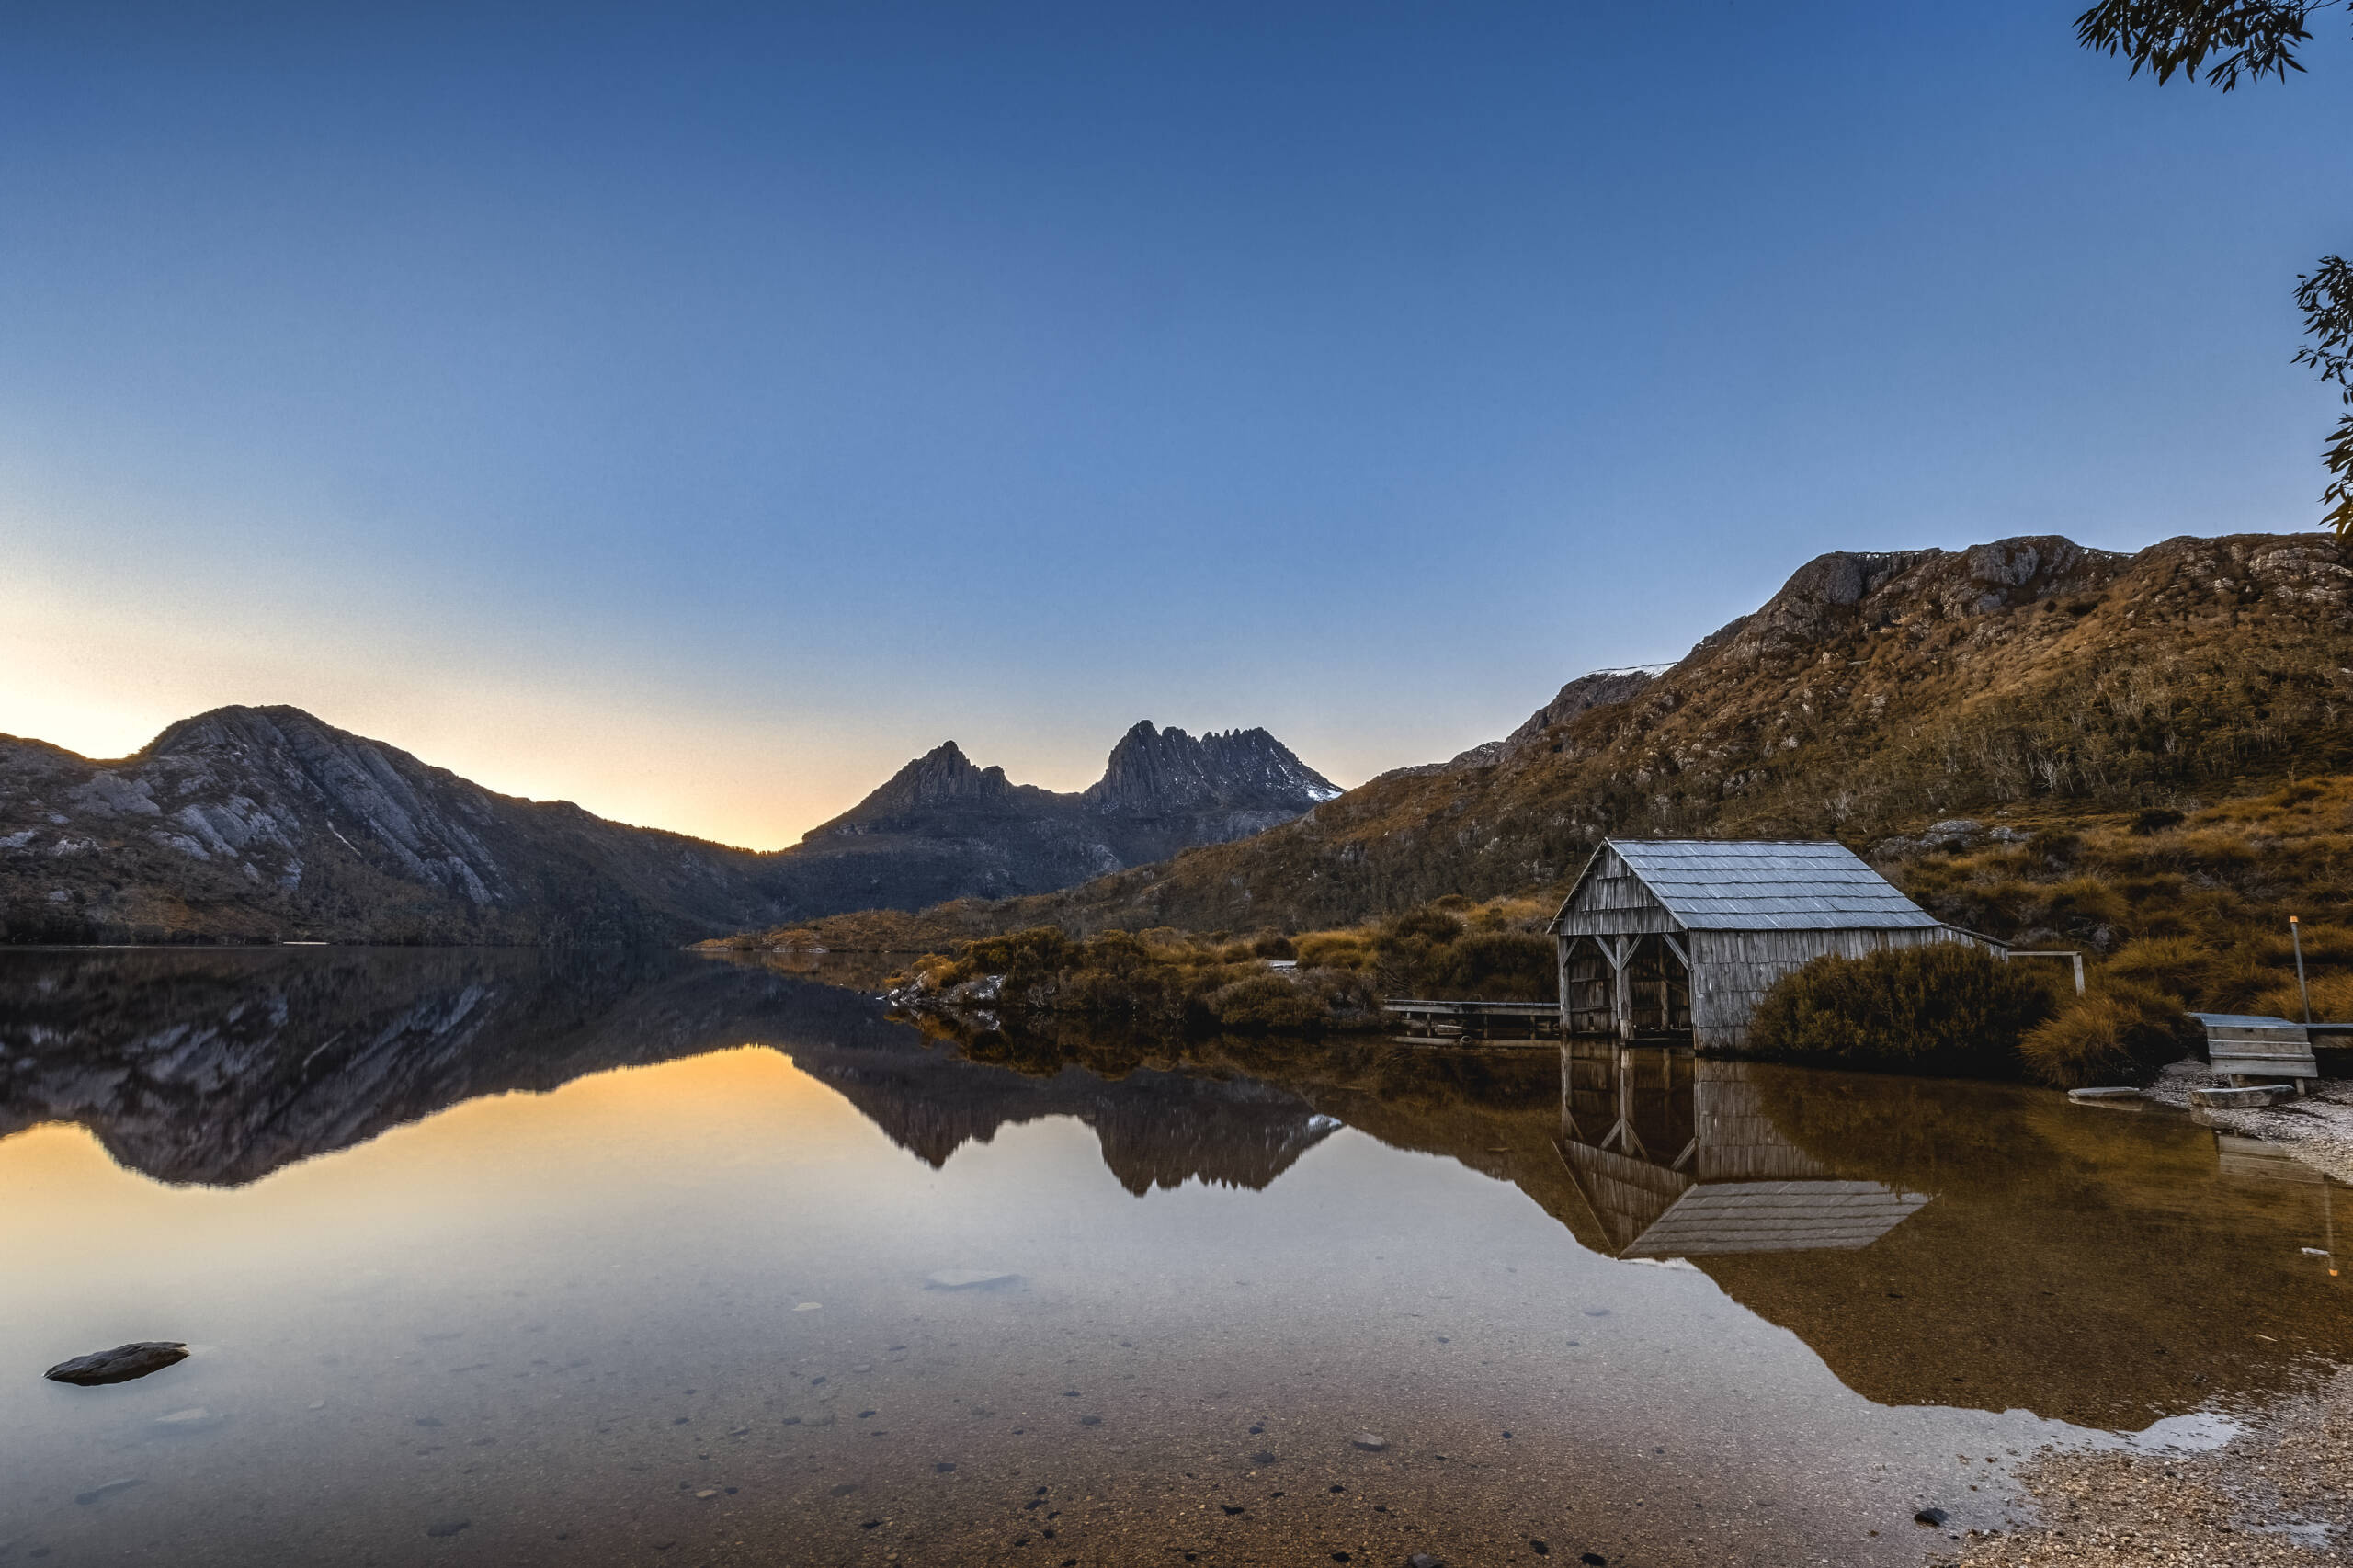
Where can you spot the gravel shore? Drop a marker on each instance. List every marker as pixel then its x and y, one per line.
pixel 2317 1127
pixel 2280 1492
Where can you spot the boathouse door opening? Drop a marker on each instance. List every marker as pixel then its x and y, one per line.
pixel 1632 987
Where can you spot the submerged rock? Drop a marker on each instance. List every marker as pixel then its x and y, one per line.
pixel 105 1490
pixel 1371 1442
pixel 196 1418
pixel 967 1279
pixel 119 1365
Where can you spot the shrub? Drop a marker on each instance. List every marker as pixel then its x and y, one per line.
pixel 2120 1033
pixel 1406 945
pixel 1498 966
pixel 1335 949
pixel 1031 960
pixel 2055 844
pixel 1950 1009
pixel 2331 1000
pixel 2178 966
pixel 1266 1002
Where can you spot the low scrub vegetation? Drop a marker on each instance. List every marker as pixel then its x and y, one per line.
pixel 1265 983
pixel 2117 1033
pixel 1952 1009
pixel 2178 904
pixel 1957 1011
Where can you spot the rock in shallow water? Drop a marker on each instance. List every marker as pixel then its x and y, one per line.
pixel 119 1365
pixel 967 1279
pixel 1371 1442
pixel 101 1492
pixel 196 1418
pixel 1931 1516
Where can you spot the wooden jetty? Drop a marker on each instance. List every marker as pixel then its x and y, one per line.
pixel 1497 1024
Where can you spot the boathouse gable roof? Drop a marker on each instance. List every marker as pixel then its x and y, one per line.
pixel 1707 884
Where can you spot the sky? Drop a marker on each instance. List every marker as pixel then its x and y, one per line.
pixel 696 410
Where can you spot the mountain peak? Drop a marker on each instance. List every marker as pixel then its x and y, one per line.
pixel 1152 772
pixel 943 776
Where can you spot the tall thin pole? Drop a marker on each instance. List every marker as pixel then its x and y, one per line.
pixel 2296 935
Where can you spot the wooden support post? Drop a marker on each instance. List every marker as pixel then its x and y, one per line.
pixel 2296 935
pixel 1621 1003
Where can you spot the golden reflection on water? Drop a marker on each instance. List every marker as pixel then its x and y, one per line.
pixel 600 1139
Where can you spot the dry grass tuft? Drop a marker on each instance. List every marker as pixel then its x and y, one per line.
pixel 2120 1033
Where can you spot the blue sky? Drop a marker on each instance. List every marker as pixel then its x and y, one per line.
pixel 696 410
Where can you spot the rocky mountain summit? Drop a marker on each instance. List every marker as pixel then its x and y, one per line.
pixel 944 828
pixel 266 823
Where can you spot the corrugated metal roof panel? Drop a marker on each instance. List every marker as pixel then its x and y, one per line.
pixel 1729 885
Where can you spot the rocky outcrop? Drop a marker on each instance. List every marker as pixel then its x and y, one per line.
pixel 1602 688
pixel 1154 773
pixel 942 776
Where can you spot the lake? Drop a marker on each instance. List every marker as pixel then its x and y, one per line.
pixel 595 1257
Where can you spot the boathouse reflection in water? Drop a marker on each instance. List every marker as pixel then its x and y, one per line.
pixel 1677 1157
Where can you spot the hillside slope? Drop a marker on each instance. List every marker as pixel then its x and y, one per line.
pixel 1873 693
pixel 249 823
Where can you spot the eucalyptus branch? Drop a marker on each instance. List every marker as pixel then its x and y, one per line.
pixel 2243 39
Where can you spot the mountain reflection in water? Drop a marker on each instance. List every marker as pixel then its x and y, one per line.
pixel 220 1066
pixel 1957 1247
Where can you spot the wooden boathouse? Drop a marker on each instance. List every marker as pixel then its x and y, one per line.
pixel 1676 940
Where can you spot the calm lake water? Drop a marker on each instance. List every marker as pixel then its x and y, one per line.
pixel 518 1258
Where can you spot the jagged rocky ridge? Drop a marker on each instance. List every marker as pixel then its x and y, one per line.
pixel 264 823
pixel 943 828
pixel 1873 694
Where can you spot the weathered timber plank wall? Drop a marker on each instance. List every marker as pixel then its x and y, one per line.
pixel 1612 901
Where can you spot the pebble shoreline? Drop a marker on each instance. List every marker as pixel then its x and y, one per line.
pixel 2316 1127
pixel 2277 1494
